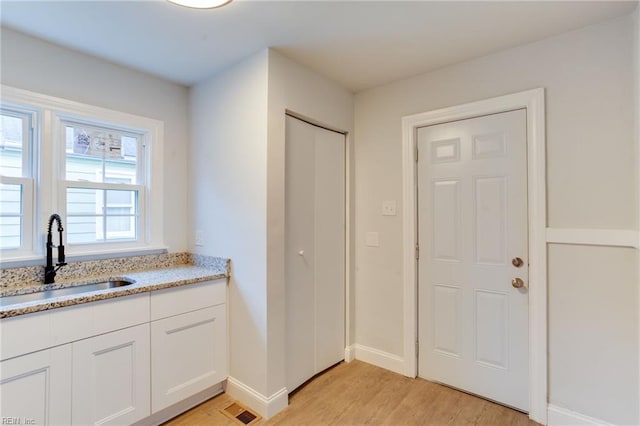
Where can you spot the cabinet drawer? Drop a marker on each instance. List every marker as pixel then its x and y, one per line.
pixel 40 330
pixel 178 300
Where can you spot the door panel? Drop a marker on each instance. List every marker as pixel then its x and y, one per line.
pixel 188 355
pixel 37 387
pixel 299 251
pixel 329 248
pixel 111 376
pixel 472 220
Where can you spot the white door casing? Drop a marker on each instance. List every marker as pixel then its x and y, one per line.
pixel 533 102
pixel 314 249
pixel 472 220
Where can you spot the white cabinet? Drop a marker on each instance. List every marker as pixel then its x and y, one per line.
pixel 111 377
pixel 188 355
pixel 188 341
pixel 36 388
pixel 114 361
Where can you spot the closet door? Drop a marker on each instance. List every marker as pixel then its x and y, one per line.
pixel 329 250
pixel 315 249
pixel 299 251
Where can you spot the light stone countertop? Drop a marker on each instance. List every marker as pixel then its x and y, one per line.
pixel 145 281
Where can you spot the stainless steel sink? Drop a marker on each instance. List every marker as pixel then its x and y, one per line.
pixel 79 289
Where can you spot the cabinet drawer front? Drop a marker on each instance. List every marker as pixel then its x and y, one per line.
pixel 40 330
pixel 178 300
pixel 188 355
pixel 37 387
pixel 111 378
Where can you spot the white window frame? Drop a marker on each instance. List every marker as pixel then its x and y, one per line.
pixel 143 176
pixel 27 183
pixel 49 190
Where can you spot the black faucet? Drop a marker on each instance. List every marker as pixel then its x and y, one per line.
pixel 50 270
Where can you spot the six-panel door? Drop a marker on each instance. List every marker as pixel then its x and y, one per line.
pixel 472 221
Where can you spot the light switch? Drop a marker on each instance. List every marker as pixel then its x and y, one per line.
pixel 389 208
pixel 373 239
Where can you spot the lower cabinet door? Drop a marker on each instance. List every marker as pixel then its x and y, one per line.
pixel 111 378
pixel 188 355
pixel 36 388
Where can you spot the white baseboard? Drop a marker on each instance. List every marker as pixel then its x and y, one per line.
pixel 349 354
pixel 558 416
pixel 379 358
pixel 180 407
pixel 267 407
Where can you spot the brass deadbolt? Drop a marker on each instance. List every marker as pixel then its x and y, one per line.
pixel 517 283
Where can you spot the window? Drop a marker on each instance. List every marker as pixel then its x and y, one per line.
pixel 103 182
pixel 16 180
pixel 99 169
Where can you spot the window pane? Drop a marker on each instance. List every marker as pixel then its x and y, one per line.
pixel 82 201
pixel 11 145
pixel 10 216
pixel 121 227
pixel 84 215
pixel 100 155
pixel 98 215
pixel 10 228
pixel 84 229
pixel 10 200
pixel 120 171
pixel 121 211
pixel 117 198
pixel 82 168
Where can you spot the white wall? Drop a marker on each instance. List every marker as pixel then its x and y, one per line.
pixel 33 64
pixel 228 201
pixel 294 88
pixel 593 316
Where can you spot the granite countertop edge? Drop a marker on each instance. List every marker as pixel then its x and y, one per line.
pixel 146 281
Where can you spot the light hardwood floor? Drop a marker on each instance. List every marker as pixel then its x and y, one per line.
pixel 361 394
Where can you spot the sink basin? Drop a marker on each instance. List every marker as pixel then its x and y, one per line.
pixel 79 289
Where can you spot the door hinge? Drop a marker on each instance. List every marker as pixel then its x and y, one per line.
pixel 417 349
pixel 416 152
pixel 417 252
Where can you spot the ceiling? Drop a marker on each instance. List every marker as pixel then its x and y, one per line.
pixel 359 44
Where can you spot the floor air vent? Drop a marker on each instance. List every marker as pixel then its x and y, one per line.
pixel 240 414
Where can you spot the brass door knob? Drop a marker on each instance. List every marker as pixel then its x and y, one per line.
pixel 517 283
pixel 517 262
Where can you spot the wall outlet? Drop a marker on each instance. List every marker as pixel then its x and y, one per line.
pixel 389 208
pixel 199 238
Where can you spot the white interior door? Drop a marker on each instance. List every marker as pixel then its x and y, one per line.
pixel 314 249
pixel 472 222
